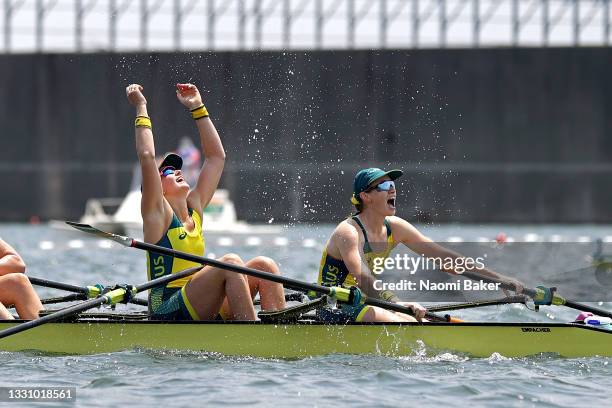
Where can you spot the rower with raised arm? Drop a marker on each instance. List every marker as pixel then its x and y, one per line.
pixel 15 287
pixel 351 250
pixel 172 217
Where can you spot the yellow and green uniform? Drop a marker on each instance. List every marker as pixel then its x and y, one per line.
pixel 170 302
pixel 333 272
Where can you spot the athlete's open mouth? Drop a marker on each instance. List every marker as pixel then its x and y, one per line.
pixel 391 202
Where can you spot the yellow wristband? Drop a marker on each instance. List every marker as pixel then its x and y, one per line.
pixel 199 112
pixel 143 121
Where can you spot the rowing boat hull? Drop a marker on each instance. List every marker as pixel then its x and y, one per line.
pixel 311 339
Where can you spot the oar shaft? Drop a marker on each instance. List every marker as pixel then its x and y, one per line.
pixel 68 298
pixel 139 302
pixel 112 297
pixel 57 285
pixel 538 294
pixel 587 308
pixel 167 278
pixel 482 303
pixel 76 289
pixel 288 282
pixel 402 309
pixel 81 307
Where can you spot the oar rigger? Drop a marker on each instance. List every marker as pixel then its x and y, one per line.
pixel 545 297
pixel 130 293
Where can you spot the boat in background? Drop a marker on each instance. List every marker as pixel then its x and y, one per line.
pixel 219 217
pixel 122 216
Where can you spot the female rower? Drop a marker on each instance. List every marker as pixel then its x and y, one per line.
pixel 353 240
pixel 172 217
pixel 15 287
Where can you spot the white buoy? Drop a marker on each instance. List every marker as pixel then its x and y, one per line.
pixel 225 241
pixel 46 245
pixel 75 244
pixel 253 241
pixel 281 241
pixel 531 237
pixel 309 243
pixel 105 244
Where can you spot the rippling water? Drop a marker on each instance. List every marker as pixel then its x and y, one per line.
pixel 145 377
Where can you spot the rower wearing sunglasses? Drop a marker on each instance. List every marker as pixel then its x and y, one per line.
pixel 372 233
pixel 172 217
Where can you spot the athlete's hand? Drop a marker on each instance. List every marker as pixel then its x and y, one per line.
pixel 417 310
pixel 134 95
pixel 518 285
pixel 188 95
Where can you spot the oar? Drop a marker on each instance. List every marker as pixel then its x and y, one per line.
pixel 541 295
pixel 480 303
pixel 110 298
pixel 73 297
pixel 289 297
pixel 88 291
pixel 341 294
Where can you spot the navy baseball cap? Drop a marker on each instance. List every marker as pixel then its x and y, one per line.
pixel 171 159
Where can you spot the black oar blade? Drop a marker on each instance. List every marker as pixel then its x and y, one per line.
pixel 120 239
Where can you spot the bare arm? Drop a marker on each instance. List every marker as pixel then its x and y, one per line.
pixel 407 234
pixel 153 205
pixel 10 261
pixel 346 239
pixel 212 149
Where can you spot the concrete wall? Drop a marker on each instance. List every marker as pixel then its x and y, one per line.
pixel 509 135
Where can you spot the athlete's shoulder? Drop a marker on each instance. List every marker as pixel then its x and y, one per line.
pixel 394 220
pixel 347 230
pixel 348 225
pixel 405 231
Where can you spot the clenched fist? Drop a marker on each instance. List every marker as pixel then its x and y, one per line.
pixel 134 95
